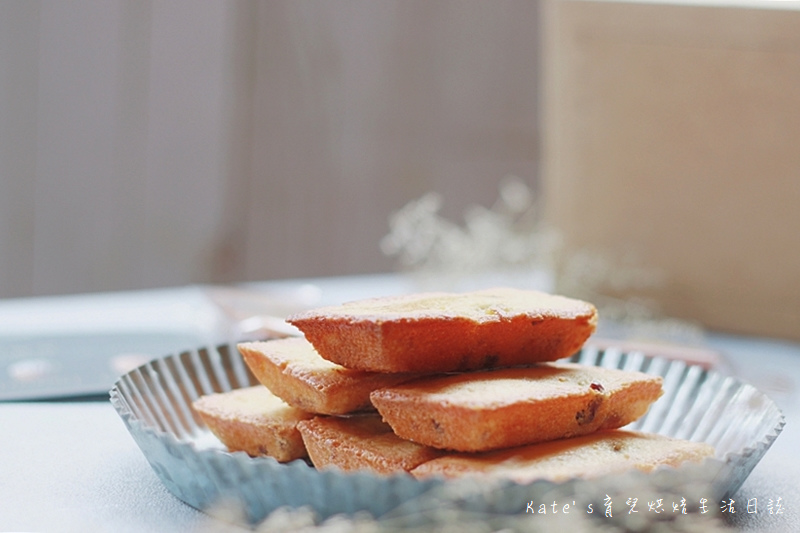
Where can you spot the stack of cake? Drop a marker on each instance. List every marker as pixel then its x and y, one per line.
pixel 444 384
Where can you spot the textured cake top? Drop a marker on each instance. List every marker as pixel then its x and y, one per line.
pixel 293 353
pixel 479 306
pixel 513 385
pixel 252 404
pixel 586 457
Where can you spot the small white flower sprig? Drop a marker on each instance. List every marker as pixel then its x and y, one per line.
pixel 507 244
pixel 504 239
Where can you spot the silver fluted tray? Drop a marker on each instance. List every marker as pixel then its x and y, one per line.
pixel 154 401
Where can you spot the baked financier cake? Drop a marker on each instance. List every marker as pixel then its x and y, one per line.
pixel 480 411
pixel 586 457
pixel 255 421
pixel 435 332
pixel 361 442
pixel 295 372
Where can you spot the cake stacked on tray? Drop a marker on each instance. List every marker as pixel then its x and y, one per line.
pixel 444 384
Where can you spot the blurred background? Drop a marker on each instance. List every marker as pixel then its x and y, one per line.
pixel 148 144
pixel 152 144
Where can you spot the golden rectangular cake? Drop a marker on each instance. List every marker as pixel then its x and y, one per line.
pixel 589 456
pixel 361 442
pixel 295 372
pixel 255 421
pixel 446 332
pixel 480 411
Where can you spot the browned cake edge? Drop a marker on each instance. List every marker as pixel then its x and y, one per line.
pixel 428 345
pixel 332 392
pixel 278 438
pixel 586 457
pixel 360 442
pixel 450 426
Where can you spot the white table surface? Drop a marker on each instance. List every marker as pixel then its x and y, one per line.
pixel 72 466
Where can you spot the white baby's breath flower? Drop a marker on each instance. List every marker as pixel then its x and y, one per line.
pixel 516 195
pixel 509 243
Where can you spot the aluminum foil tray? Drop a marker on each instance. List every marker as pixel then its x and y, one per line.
pixel 154 401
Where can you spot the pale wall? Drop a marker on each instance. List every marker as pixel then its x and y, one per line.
pixel 152 143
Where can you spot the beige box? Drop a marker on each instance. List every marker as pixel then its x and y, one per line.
pixel 672 131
